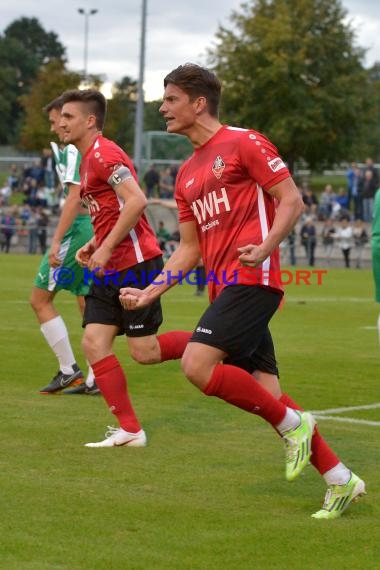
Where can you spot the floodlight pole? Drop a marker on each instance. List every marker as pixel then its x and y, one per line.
pixel 139 119
pixel 86 14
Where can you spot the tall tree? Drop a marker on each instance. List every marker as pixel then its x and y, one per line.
pixel 371 144
pixel 291 69
pixel 24 47
pixel 51 81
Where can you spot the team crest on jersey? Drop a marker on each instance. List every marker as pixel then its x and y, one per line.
pixel 218 167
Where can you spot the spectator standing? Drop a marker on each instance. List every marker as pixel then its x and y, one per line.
pixel 8 228
pixel 292 247
pixel 163 236
pixel 166 184
pixel 151 179
pixel 326 202
pixel 344 236
pixel 13 178
pixel 350 176
pixel 42 224
pixel 32 231
pixel 369 165
pixel 328 239
pixel 360 240
pixel 341 204
pixel 375 248
pixel 309 239
pixel 311 202
pixel 47 163
pixel 5 194
pixel 369 186
pixel 357 193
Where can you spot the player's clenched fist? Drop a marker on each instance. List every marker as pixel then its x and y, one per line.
pixel 83 254
pixel 132 299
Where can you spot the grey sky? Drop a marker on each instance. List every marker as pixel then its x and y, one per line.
pixel 176 32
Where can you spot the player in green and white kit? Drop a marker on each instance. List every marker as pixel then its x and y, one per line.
pixel 375 244
pixel 74 229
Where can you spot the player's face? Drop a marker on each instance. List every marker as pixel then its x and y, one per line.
pixel 74 122
pixel 177 109
pixel 54 120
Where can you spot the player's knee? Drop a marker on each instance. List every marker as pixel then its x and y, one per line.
pixel 192 369
pixel 144 355
pixel 145 350
pixel 141 356
pixel 91 348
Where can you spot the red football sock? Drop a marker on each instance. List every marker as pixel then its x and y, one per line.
pixel 235 386
pixel 112 382
pixel 322 456
pixel 173 344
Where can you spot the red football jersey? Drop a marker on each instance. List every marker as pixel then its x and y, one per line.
pixel 223 186
pixel 104 205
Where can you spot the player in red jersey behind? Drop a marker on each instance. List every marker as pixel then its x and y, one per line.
pixel 124 250
pixel 237 202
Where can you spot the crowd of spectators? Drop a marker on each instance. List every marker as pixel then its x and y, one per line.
pixel 337 218
pixel 160 183
pixel 340 211
pixel 38 196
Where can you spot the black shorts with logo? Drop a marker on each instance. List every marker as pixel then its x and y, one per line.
pixel 103 305
pixel 237 323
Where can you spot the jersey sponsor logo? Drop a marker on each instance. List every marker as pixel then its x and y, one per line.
pixel 210 225
pixel 92 204
pixel 203 330
pixel 218 167
pixel 276 164
pixel 189 183
pixel 211 205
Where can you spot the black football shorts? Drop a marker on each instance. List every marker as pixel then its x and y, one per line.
pixel 103 305
pixel 237 323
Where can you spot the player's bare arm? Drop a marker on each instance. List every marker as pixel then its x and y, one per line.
pixel 134 203
pixel 71 208
pixel 166 203
pixel 290 207
pixel 183 259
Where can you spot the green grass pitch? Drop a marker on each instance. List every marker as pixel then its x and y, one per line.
pixel 209 492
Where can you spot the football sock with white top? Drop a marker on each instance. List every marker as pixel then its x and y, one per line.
pixel 57 337
pixel 90 379
pixel 291 421
pixel 338 475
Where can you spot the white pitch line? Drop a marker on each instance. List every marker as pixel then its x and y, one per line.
pixel 347 409
pixel 328 299
pixel 347 420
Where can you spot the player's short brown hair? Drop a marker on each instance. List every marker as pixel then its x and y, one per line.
pixel 94 100
pixel 56 104
pixel 197 81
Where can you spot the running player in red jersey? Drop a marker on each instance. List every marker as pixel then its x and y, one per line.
pixel 124 250
pixel 237 202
